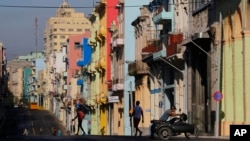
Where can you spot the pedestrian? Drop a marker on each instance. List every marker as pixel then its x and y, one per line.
pixel 41 131
pixel 80 115
pixel 53 131
pixel 59 132
pixel 72 126
pixel 137 115
pixel 25 132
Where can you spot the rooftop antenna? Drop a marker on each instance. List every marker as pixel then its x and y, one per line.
pixel 36 34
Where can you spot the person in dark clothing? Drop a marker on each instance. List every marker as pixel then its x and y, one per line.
pixel 137 115
pixel 80 115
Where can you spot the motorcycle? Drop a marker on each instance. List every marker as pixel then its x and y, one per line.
pixel 176 126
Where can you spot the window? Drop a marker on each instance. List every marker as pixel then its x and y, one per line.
pixel 62 29
pixel 62 43
pixel 79 30
pixel 198 4
pixel 77 45
pixel 71 29
pixel 62 37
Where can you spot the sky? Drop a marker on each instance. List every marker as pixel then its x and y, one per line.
pixel 17 22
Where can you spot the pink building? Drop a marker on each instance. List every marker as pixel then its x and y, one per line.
pixel 111 18
pixel 74 53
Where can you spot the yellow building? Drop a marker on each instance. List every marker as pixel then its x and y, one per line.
pixel 98 76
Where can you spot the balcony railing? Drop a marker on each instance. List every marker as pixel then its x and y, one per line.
pixel 65 74
pixel 118 84
pixel 65 87
pixel 173 48
pixel 153 46
pixel 119 42
pixel 160 14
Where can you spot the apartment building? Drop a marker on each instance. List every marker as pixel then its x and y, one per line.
pixel 3 71
pixel 58 29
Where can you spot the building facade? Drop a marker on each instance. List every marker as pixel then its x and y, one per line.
pixel 232 41
pixel 58 30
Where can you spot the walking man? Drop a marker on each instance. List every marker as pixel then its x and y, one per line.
pixel 80 115
pixel 41 131
pixel 137 115
pixel 25 132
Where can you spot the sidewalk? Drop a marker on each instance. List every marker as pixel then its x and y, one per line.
pixel 214 137
pixel 210 137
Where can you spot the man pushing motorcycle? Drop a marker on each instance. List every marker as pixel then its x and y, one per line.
pixel 168 114
pixel 173 124
pixel 172 112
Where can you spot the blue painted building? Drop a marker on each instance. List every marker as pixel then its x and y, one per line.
pixel 27 73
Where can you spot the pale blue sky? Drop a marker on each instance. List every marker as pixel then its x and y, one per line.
pixel 17 24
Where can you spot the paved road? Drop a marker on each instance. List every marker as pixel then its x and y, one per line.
pixel 101 138
pixel 33 120
pixel 20 118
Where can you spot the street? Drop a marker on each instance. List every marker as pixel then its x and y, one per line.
pixel 33 120
pixel 18 119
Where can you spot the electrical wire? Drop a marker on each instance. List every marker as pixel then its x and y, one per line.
pixel 25 6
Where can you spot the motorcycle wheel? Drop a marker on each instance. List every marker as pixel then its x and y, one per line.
pixel 195 134
pixel 165 133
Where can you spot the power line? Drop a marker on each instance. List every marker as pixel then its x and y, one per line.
pixel 25 6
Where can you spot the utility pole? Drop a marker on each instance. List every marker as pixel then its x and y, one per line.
pixel 217 121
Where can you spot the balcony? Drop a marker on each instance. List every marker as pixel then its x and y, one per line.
pixel 152 47
pixel 137 68
pixel 173 48
pixel 119 42
pixel 92 41
pixel 31 80
pixel 118 85
pixel 33 64
pixel 161 16
pixel 91 70
pixel 31 88
pixel 65 59
pixel 65 74
pixel 58 76
pixel 65 87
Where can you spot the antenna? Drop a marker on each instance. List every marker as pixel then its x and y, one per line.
pixel 36 34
